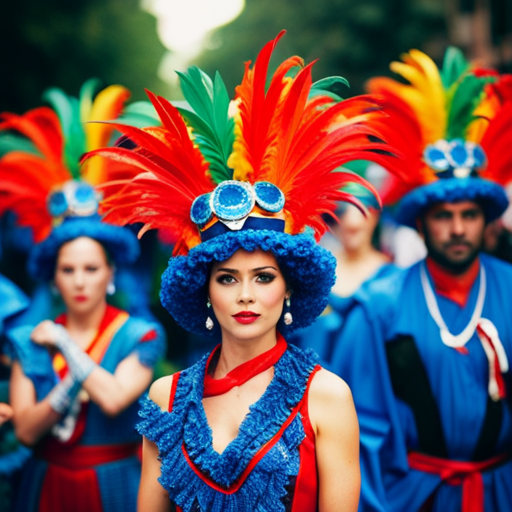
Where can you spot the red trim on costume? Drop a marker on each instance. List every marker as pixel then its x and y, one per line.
pixel 494 369
pixel 243 372
pixel 174 386
pixel 149 336
pixel 305 496
pixel 455 472
pixel 259 454
pixel 451 286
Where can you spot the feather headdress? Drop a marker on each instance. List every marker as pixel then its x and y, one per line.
pixel 448 125
pixel 206 163
pixel 42 149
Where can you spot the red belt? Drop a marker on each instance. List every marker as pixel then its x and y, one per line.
pixel 454 472
pixel 81 457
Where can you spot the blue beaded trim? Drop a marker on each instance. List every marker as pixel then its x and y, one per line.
pixel 233 200
pixel 201 211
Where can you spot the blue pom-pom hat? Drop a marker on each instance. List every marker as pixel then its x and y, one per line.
pixel 452 129
pixel 42 182
pixel 254 173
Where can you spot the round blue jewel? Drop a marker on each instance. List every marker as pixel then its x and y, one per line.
pixel 57 203
pixel 201 211
pixel 233 200
pixel 82 198
pixel 479 156
pixel 436 158
pixel 268 196
pixel 458 154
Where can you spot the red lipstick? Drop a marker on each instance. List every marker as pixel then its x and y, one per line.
pixel 80 298
pixel 246 317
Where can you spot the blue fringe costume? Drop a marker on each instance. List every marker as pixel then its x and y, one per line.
pixel 270 484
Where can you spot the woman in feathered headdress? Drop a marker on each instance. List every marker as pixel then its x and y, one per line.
pixel 75 381
pixel 258 424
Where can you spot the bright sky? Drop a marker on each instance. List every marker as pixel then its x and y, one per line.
pixel 183 26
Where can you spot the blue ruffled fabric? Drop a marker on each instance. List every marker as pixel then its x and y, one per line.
pixel 121 244
pixel 309 271
pixel 265 486
pixel 490 195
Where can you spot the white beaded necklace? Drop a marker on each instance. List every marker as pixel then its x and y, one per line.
pixel 449 339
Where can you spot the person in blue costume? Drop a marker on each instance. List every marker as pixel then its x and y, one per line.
pixel 257 424
pixel 426 351
pixel 75 380
pixel 12 455
pixel 357 260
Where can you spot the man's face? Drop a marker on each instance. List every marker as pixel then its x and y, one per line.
pixel 453 233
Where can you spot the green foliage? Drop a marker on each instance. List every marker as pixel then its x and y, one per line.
pixel 356 40
pixel 56 43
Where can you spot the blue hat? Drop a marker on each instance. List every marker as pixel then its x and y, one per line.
pixel 450 126
pixel 120 243
pixel 308 268
pixel 256 173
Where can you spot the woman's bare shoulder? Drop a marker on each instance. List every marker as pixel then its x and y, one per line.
pixel 330 402
pixel 160 390
pixel 328 386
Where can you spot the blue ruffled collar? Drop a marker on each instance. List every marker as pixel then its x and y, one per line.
pixel 187 426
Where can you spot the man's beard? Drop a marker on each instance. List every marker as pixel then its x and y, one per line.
pixel 441 258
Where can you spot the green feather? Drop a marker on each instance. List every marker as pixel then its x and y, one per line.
pixel 331 86
pixel 140 114
pixel 11 142
pixel 454 66
pixel 67 108
pixel 208 117
pixel 463 97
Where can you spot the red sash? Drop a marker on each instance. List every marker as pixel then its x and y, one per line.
pixel 454 472
pixel 71 482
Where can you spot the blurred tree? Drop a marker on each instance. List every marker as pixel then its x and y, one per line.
pixel 354 39
pixel 62 43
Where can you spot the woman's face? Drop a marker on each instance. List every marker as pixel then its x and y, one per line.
pixel 82 275
pixel 354 230
pixel 247 293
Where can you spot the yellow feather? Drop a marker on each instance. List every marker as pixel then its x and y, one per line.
pixel 107 106
pixel 426 94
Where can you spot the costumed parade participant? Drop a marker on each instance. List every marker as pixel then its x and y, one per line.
pixel 427 352
pixel 357 260
pixel 75 382
pixel 257 424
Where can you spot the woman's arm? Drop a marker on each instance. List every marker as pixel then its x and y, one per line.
pixel 152 496
pixel 31 419
pixel 333 417
pixel 112 392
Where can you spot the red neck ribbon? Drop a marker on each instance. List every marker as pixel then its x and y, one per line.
pixel 244 372
pixel 452 286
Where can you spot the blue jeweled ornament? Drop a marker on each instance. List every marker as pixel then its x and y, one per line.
pixel 269 197
pixel 57 203
pixel 84 199
pixel 458 154
pixel 233 200
pixel 436 158
pixel 201 210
